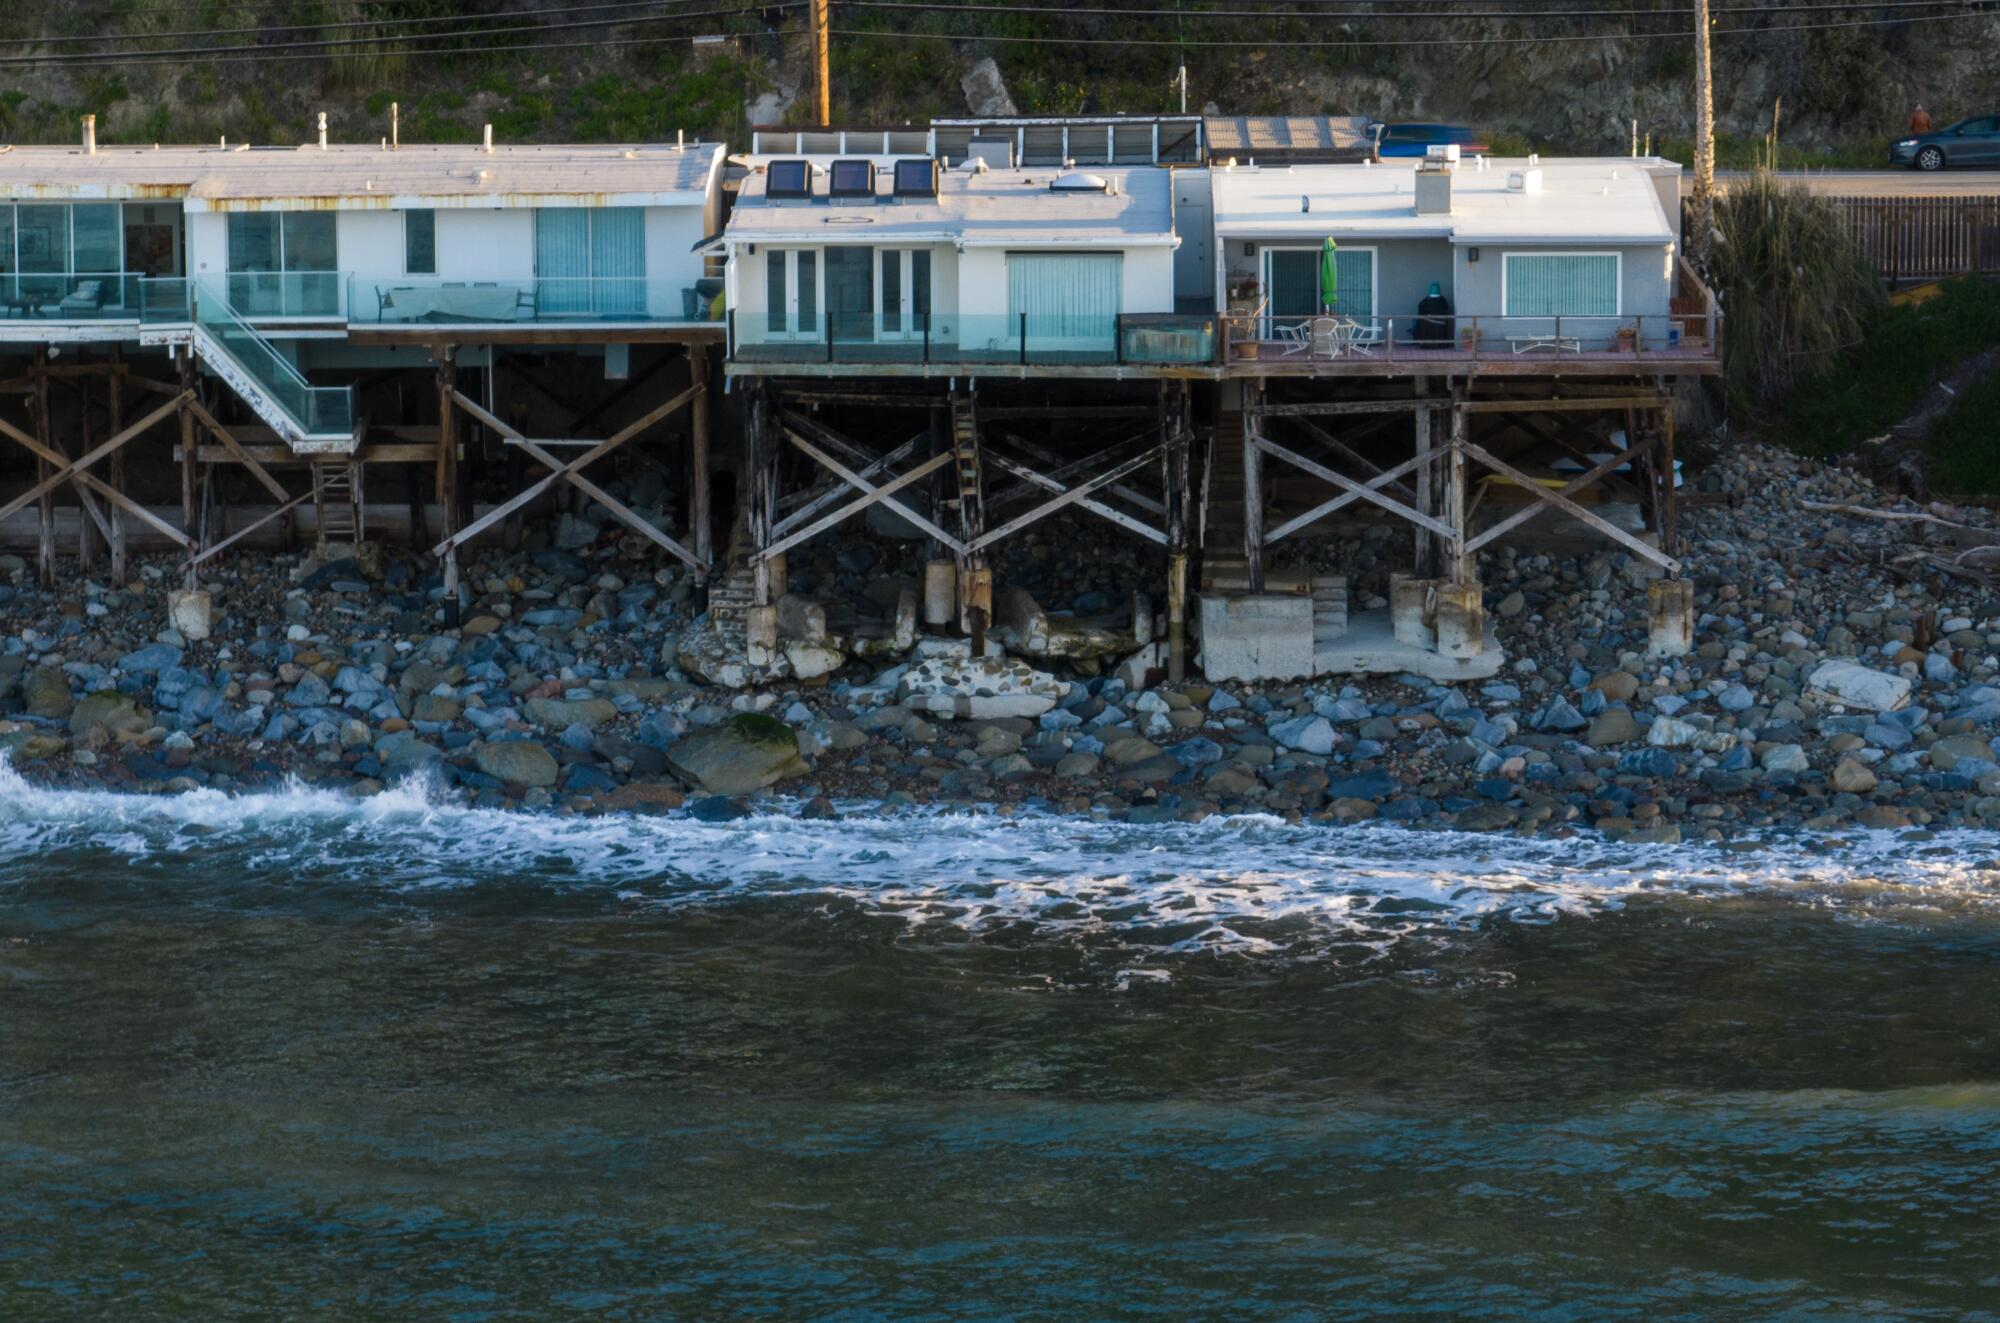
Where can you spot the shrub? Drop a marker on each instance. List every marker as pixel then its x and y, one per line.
pixel 1794 289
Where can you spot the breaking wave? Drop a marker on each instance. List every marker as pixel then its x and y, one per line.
pixel 1252 885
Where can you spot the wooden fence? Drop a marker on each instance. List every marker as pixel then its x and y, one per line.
pixel 1925 238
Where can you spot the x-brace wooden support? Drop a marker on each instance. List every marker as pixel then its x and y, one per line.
pixel 572 473
pixel 99 486
pixel 1559 500
pixel 1352 491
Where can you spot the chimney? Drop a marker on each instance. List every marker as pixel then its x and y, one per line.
pixel 1434 180
pixel 395 126
pixel 90 135
pixel 322 130
pixel 489 137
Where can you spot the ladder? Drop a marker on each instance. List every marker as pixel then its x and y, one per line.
pixel 337 500
pixel 965 463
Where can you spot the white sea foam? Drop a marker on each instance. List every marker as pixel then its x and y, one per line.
pixel 1244 884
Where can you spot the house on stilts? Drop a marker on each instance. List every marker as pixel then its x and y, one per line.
pixel 1214 335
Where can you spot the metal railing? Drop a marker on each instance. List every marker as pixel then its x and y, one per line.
pixel 316 410
pixel 1142 339
pixel 394 300
pixel 1485 336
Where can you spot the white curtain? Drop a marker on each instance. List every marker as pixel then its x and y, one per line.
pixel 1562 284
pixel 1068 297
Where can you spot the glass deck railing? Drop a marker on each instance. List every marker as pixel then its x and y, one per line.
pixel 392 300
pixel 316 410
pixel 81 296
pixel 999 338
pixel 261 295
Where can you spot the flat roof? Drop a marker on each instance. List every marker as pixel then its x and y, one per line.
pixel 977 208
pixel 1593 200
pixel 1253 135
pixel 345 175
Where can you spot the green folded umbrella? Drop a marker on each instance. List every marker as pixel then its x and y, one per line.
pixel 1329 275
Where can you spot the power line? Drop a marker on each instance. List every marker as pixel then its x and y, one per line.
pixel 377 44
pixel 1344 43
pixel 347 24
pixel 958 6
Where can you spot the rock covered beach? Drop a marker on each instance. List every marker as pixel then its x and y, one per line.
pixel 1840 679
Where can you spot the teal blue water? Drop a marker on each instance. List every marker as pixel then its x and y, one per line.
pixel 290 1058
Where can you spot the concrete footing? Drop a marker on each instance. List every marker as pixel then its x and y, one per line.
pixel 1413 610
pixel 1256 636
pixel 975 593
pixel 1669 618
pixel 940 593
pixel 1461 620
pixel 760 635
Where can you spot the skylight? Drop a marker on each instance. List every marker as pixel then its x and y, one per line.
pixel 916 179
pixel 852 179
pixel 788 179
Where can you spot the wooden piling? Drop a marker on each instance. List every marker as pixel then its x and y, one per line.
pixel 447 474
pixel 700 422
pixel 115 399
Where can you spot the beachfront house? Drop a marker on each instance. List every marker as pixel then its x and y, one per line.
pixel 1450 257
pixel 279 261
pixel 908 260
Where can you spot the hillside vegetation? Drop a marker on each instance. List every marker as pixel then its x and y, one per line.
pixel 556 71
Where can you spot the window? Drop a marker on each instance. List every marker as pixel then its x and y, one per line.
pixel 852 179
pixel 916 179
pixel 420 242
pixel 590 260
pixel 1071 298
pixel 96 239
pixel 788 179
pixel 1561 284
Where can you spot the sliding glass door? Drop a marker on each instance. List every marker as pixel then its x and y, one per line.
pixel 590 262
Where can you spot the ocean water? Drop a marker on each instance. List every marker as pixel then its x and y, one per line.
pixel 296 1056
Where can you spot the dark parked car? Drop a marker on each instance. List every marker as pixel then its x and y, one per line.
pixel 1413 139
pixel 1969 142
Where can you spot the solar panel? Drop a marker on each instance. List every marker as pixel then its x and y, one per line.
pixel 788 179
pixel 852 179
pixel 916 179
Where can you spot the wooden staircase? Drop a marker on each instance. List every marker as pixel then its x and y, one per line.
pixel 1222 534
pixel 969 503
pixel 337 500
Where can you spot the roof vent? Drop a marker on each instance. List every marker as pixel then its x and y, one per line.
pixel 1434 187
pixel 1072 183
pixel 90 135
pixel 1525 181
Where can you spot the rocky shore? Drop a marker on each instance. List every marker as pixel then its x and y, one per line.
pixel 1846 674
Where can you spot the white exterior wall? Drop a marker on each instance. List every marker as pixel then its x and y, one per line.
pixel 207 243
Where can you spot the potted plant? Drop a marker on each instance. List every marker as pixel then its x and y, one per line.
pixel 1628 339
pixel 1468 337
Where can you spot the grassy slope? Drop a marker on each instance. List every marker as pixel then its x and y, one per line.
pixel 1869 388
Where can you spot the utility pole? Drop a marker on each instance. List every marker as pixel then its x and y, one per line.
pixel 1704 139
pixel 822 80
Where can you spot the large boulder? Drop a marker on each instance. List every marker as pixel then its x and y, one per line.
pixel 981 688
pixel 517 762
pixel 745 753
pixel 116 713
pixel 27 746
pixel 1854 685
pixel 561 714
pixel 45 690
pixel 986 91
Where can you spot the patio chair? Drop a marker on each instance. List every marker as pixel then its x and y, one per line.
pixel 525 309
pixel 86 298
pixel 1295 336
